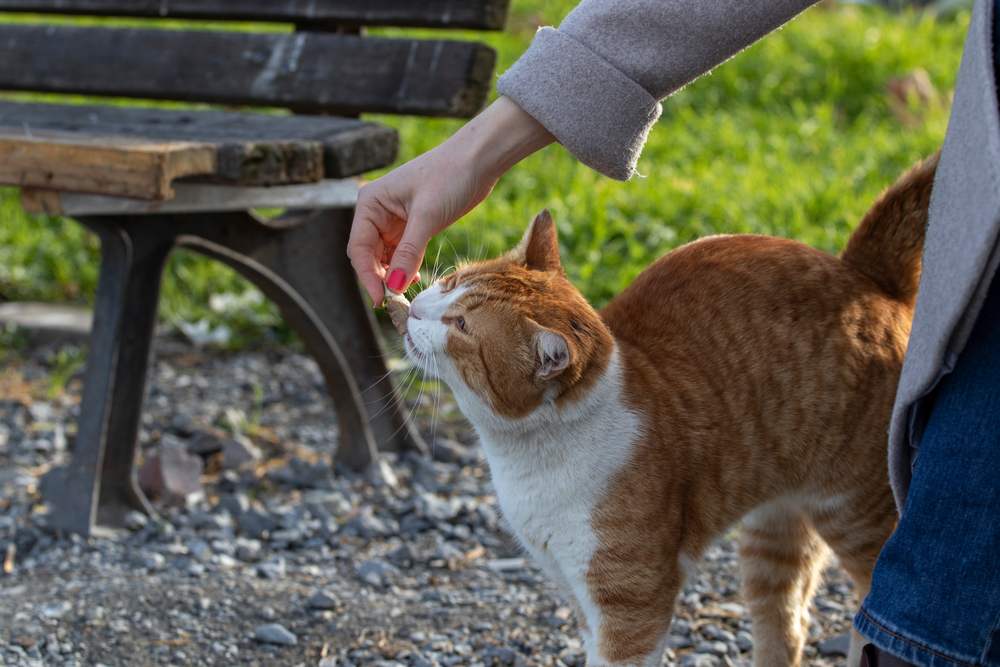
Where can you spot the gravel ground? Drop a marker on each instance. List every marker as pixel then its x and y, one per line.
pixel 278 562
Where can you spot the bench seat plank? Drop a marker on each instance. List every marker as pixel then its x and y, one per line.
pixel 482 14
pixel 305 71
pixel 197 198
pixel 125 168
pixel 137 152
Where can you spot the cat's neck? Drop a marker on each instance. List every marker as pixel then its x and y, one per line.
pixel 594 413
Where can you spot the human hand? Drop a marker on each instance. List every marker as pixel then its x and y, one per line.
pixel 397 215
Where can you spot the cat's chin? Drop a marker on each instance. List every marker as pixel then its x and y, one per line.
pixel 421 359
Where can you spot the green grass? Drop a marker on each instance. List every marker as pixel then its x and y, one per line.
pixel 794 137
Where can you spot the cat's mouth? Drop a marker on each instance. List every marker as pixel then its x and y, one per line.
pixel 411 347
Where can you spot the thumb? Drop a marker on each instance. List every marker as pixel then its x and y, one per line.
pixel 407 257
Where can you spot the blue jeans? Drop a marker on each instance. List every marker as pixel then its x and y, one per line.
pixel 935 596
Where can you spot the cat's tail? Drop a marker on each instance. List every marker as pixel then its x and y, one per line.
pixel 888 243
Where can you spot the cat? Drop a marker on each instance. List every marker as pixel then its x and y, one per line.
pixel 739 378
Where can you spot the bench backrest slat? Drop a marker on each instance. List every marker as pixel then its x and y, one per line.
pixel 478 14
pixel 303 71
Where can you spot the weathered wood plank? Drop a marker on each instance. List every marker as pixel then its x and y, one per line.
pixel 124 168
pixel 252 148
pixel 307 71
pixel 484 14
pixel 197 198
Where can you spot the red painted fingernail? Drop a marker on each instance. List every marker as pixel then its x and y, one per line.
pixel 397 280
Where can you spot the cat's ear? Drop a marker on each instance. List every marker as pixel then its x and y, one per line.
pixel 553 354
pixel 539 248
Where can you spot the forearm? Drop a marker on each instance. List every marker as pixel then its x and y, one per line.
pixel 498 138
pixel 596 81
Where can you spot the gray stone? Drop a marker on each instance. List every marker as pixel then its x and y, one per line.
pixel 435 508
pixel 152 561
pixel 55 610
pixel 744 641
pixel 256 524
pixel 200 550
pixel 699 660
pixel 234 503
pixel 374 572
pixel 136 520
pixel 248 550
pixel 273 568
pixel 322 600
pixel 835 646
pixel 172 474
pixel 238 451
pixel 275 633
pixel 714 648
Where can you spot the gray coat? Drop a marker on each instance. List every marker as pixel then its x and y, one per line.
pixel 596 81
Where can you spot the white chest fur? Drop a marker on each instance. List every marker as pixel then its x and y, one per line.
pixel 550 475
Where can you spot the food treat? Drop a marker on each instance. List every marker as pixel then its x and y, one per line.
pixel 399 309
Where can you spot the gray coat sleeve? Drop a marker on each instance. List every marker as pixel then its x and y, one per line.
pixel 595 82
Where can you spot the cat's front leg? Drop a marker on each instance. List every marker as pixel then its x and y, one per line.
pixel 632 606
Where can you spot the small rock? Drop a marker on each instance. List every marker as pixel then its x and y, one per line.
pixel 713 648
pixel 204 444
pixel 256 524
pixel 322 600
pixel 172 473
pixel 374 572
pixel 699 660
pixel 238 452
pixel 152 561
pixel 452 451
pixel 55 609
pixel 275 633
pixel 835 646
pixel 744 641
pixel 273 568
pixel 381 474
pixel 234 503
pixel 248 550
pixel 136 520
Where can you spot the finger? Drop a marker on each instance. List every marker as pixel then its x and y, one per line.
pixel 363 251
pixel 407 257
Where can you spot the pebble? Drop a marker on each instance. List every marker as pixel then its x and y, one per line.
pixel 835 646
pixel 274 633
pixel 136 520
pixel 322 600
pixel 374 572
pixel 55 610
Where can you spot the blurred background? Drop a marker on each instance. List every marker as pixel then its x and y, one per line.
pixel 794 137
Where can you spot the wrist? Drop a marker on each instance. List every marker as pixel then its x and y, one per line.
pixel 500 137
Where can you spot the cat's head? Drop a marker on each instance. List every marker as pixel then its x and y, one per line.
pixel 511 334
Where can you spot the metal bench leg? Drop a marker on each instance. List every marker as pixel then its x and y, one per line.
pixel 99 486
pixel 352 323
pixel 300 264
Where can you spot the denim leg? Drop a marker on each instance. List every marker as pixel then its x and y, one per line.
pixel 935 596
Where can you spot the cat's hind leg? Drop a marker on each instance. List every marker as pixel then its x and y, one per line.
pixel 856 528
pixel 781 559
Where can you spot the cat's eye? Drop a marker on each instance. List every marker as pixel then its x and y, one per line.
pixel 460 323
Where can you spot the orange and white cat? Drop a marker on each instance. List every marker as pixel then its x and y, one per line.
pixel 739 378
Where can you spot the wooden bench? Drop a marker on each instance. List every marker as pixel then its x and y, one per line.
pixel 148 179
